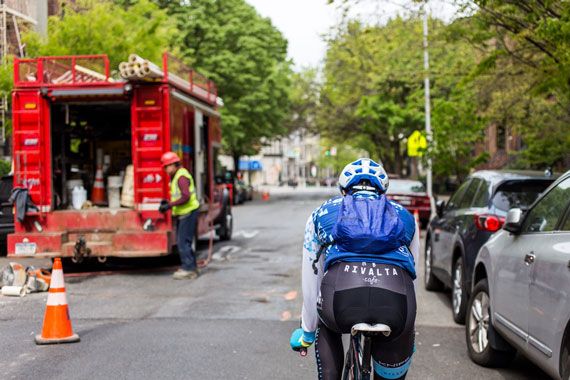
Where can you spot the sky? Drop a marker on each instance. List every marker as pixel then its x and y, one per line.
pixel 304 22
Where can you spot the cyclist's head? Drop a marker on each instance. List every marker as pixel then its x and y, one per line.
pixel 363 174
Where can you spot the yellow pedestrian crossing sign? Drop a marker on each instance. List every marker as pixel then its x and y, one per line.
pixel 417 143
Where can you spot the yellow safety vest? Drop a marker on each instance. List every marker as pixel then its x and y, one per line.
pixel 175 194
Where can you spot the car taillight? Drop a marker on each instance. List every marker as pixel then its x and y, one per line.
pixel 487 222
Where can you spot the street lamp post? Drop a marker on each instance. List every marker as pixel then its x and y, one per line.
pixel 427 106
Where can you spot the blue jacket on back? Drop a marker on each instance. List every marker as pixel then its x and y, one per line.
pixel 365 227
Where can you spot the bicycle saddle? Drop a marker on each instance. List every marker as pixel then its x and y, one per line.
pixel 371 330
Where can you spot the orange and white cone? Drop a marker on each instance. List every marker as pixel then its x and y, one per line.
pixel 98 193
pixel 57 325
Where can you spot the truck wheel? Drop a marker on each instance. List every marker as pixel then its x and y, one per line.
pixel 477 327
pixel 227 224
pixel 430 281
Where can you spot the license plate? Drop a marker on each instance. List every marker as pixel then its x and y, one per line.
pixel 405 202
pixel 26 248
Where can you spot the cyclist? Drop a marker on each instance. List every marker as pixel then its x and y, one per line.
pixel 365 273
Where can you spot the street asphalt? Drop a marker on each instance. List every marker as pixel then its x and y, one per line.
pixel 234 322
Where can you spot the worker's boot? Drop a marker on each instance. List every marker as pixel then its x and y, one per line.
pixel 182 274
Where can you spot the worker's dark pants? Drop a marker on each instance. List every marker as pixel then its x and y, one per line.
pixel 185 232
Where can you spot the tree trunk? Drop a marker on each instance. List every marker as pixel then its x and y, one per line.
pixel 236 157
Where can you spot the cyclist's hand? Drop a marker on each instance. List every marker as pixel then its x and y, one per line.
pixel 301 339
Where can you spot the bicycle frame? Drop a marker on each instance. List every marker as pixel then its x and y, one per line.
pixel 358 363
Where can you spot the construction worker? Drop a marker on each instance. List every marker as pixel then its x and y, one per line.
pixel 184 205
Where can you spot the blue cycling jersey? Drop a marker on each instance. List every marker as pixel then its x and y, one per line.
pixel 325 218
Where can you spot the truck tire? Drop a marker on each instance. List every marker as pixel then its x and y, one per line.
pixel 226 224
pixel 478 324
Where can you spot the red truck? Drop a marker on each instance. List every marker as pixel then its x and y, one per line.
pixel 67 113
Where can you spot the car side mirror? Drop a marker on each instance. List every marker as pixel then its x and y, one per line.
pixel 513 221
pixel 439 208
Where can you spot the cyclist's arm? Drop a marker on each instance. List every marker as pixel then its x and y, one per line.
pixel 309 281
pixel 415 249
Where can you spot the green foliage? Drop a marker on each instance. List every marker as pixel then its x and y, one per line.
pixel 5 167
pixel 246 56
pixel 523 78
pixel 101 27
pixel 344 153
pixel 304 101
pixel 374 91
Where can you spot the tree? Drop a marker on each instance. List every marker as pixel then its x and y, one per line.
pixel 97 27
pixel 304 101
pixel 374 89
pixel 247 58
pixel 523 77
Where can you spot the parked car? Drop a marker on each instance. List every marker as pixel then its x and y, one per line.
pixel 522 276
pixel 6 213
pixel 412 195
pixel 462 225
pixel 246 191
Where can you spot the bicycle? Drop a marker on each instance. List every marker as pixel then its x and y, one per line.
pixel 357 365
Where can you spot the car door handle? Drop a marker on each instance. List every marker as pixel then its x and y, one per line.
pixel 529 258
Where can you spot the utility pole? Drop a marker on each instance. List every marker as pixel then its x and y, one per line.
pixel 428 107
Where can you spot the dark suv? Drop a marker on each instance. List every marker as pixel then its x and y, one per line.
pixel 462 225
pixel 6 215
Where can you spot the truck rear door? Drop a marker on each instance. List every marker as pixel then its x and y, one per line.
pixel 150 136
pixel 32 146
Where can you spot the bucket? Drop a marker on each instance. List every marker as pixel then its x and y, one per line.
pixel 70 185
pixel 113 191
pixel 78 198
pixel 128 195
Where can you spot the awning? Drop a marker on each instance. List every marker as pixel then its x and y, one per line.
pixel 252 165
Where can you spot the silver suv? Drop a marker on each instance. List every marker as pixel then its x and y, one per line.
pixel 521 298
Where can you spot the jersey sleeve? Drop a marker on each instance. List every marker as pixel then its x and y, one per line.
pixel 310 283
pixel 415 249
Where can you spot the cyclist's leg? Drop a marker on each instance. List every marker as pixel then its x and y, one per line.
pixel 329 352
pixel 392 356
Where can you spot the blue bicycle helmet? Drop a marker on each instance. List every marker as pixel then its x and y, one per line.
pixel 363 169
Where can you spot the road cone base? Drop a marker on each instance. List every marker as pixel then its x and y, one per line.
pixel 71 339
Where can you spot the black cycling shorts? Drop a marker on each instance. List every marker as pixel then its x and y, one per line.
pixel 371 293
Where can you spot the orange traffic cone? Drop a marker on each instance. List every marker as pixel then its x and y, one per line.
pixel 98 193
pixel 57 325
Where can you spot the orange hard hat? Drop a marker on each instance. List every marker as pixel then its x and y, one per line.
pixel 169 158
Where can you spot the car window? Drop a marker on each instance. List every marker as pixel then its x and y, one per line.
pixel 399 186
pixel 519 194
pixel 470 193
pixel 482 197
pixel 456 197
pixel 544 216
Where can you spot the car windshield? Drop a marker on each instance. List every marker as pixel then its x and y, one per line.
pixel 405 187
pixel 518 194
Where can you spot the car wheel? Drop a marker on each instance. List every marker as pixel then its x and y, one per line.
pixel 478 323
pixel 565 361
pixel 430 281
pixel 458 293
pixel 226 229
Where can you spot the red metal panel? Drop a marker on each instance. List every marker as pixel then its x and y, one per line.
pixel 32 145
pixel 150 136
